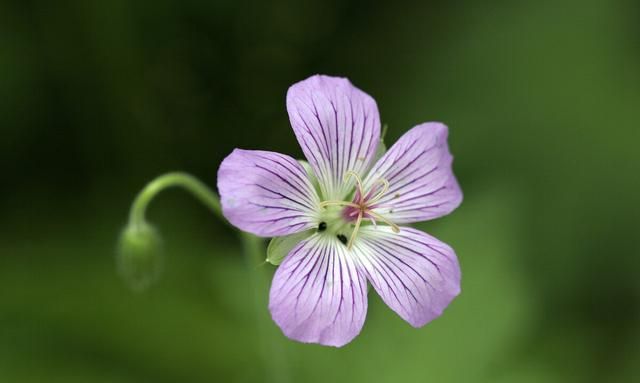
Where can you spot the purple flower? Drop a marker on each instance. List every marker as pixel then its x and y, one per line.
pixel 341 216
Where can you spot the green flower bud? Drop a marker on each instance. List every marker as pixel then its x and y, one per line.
pixel 139 255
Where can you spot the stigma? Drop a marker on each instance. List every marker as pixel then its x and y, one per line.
pixel 362 206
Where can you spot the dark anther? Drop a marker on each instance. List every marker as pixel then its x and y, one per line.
pixel 322 226
pixel 342 239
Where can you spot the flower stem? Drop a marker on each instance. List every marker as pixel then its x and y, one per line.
pixel 201 191
pixel 270 345
pixel 139 236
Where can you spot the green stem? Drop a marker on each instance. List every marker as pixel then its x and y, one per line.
pixel 184 180
pixel 253 248
pixel 271 346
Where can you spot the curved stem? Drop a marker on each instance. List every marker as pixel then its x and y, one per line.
pixel 270 344
pixel 274 361
pixel 201 191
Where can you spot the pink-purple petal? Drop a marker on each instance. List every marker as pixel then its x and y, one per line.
pixel 338 128
pixel 415 274
pixel 318 295
pixel 266 193
pixel 418 169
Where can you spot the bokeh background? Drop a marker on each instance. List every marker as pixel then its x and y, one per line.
pixel 98 97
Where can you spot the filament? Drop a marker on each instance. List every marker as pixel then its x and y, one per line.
pixel 338 203
pixel 394 227
pixel 385 188
pixel 353 174
pixel 355 230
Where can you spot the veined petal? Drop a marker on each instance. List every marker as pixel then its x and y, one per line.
pixel 338 128
pixel 266 193
pixel 415 274
pixel 421 181
pixel 318 295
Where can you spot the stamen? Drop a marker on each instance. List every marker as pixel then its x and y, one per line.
pixel 355 230
pixel 394 227
pixel 338 203
pixel 353 174
pixel 363 208
pixel 377 197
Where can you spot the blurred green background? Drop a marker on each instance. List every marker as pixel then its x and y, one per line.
pixel 98 97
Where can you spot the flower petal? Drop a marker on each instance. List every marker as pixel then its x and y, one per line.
pixel 415 274
pixel 318 295
pixel 266 193
pixel 418 169
pixel 338 128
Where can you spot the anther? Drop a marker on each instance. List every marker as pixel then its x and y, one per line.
pixel 342 238
pixel 322 226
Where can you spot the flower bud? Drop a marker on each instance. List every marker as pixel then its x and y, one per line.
pixel 139 255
